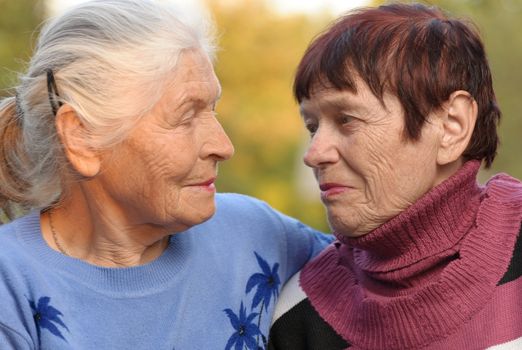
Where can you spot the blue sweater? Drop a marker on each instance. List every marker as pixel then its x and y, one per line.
pixel 214 287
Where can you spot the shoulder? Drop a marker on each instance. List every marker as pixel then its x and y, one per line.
pixel 240 225
pixel 242 209
pixel 234 203
pixel 16 234
pixel 19 242
pixel 19 274
pixel 296 324
pixel 239 212
pixel 20 268
pixel 504 189
pixel 257 218
pixel 9 240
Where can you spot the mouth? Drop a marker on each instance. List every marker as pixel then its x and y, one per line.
pixel 330 189
pixel 208 185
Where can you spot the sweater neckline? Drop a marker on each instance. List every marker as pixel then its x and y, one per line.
pixel 115 281
pixel 424 235
pixel 417 278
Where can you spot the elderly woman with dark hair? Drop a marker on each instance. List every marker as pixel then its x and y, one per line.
pixel 401 111
pixel 112 140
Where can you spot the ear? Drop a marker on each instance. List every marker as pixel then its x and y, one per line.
pixel 459 115
pixel 74 138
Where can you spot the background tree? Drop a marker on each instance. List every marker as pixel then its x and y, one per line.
pixel 18 20
pixel 259 53
pixel 260 50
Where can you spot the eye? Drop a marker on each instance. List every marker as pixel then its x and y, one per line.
pixel 345 119
pixel 186 120
pixel 311 127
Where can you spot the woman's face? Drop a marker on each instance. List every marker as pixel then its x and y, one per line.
pixel 366 170
pixel 163 173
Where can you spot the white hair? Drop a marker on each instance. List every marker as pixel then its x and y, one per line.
pixel 110 60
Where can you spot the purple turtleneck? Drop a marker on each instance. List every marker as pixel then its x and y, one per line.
pixel 423 278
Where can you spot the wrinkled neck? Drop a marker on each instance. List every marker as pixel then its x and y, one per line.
pixel 423 238
pixel 91 229
pixel 419 277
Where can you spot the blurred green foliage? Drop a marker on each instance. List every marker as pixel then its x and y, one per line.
pixel 259 53
pixel 18 20
pixel 256 67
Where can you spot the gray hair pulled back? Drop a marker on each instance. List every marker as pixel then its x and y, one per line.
pixel 110 60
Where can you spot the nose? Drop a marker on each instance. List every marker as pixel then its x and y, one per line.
pixel 219 145
pixel 322 150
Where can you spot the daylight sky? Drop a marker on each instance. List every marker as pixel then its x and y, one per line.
pixel 282 6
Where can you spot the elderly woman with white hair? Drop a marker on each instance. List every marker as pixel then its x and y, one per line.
pixel 112 142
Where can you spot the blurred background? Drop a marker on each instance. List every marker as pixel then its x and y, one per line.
pixel 261 42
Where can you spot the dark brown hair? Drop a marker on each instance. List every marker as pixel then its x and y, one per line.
pixel 414 52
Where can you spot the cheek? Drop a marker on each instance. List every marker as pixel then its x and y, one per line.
pixel 172 159
pixel 402 176
pixel 162 166
pixel 374 161
pixel 386 169
pixel 166 171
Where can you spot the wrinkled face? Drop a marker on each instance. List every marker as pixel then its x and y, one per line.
pixel 366 170
pixel 164 172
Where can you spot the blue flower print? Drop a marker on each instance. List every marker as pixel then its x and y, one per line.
pixel 47 317
pixel 267 283
pixel 246 331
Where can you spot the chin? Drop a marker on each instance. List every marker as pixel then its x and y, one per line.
pixel 344 227
pixel 182 221
pixel 201 215
pixel 206 216
pixel 350 234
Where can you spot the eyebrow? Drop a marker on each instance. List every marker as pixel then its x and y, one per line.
pixel 190 98
pixel 341 102
pixel 305 114
pixel 346 104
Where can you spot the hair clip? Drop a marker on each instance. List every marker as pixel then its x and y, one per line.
pixel 52 90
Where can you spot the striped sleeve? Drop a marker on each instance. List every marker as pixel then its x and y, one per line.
pixel 297 326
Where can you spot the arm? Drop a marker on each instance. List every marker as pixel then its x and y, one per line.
pixel 303 243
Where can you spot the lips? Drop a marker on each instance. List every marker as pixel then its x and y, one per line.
pixel 208 185
pixel 330 189
pixel 327 186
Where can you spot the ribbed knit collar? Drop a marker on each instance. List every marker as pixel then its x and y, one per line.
pixel 150 278
pixel 423 235
pixel 421 275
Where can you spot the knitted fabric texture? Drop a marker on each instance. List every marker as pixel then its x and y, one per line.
pixel 214 286
pixel 421 276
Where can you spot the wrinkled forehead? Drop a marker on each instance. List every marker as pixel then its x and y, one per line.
pixel 193 79
pixel 195 66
